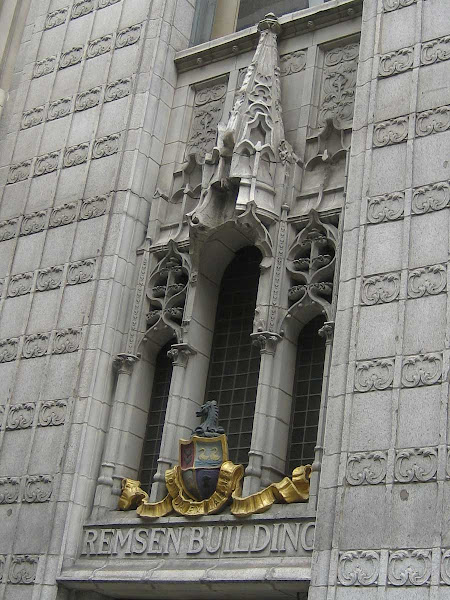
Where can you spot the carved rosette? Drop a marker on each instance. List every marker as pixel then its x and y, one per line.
pixel 19 172
pixel 389 207
pixel 23 569
pixel 424 369
pixel 49 278
pixel 128 36
pixel 394 131
pixel 435 51
pixel 418 464
pixel 409 567
pixel 396 62
pixel 59 108
pixel 374 375
pixel 359 567
pixel 433 121
pixel 380 289
pixel 33 222
pixel 431 197
pixel 20 284
pixel 67 340
pixel 366 468
pixel 9 349
pixel 81 271
pixel 37 488
pixel 20 416
pixel 52 413
pixel 9 490
pixel 8 229
pixel 427 281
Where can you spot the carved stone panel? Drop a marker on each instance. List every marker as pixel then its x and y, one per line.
pixel 33 222
pixel 427 281
pixel 71 57
pixel 388 207
pixel 106 146
pixel 293 62
pixel 423 369
pixel 52 413
pixel 377 374
pixel 76 155
pixel 49 278
pixel 128 36
pixel 93 207
pixel 59 108
pixel 47 163
pixel 37 488
pixel 81 271
pixel 9 490
pixel 389 5
pixel 20 416
pixel 22 569
pixel 429 198
pixel 409 567
pixel 118 89
pixel 44 66
pixel 20 284
pixel 81 8
pixel 433 121
pixel 63 215
pixel 35 345
pixel 366 468
pixel 88 99
pixel 380 289
pixel 445 567
pixel 56 17
pixel 33 117
pixel 9 349
pixel 19 171
pixel 391 132
pixel 8 229
pixel 418 464
pixel 99 46
pixel 358 568
pixel 66 340
pixel 396 62
pixel 105 3
pixel 435 51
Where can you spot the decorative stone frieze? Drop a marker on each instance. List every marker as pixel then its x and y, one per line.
pixel 71 57
pixel 8 229
pixel 366 468
pixel 377 374
pixel 293 62
pixel 61 341
pixel 128 36
pixel 427 281
pixel 23 569
pixel 99 46
pixel 417 464
pixel 389 5
pixel 35 345
pixel 9 349
pixel 52 413
pixel 423 369
pixel 2 565
pixel 380 289
pixel 56 18
pixel 409 567
pixel 44 66
pixel 435 51
pixel 37 488
pixel 20 284
pixel 66 340
pixel 63 215
pixel 106 146
pixel 428 198
pixel 49 278
pixel 394 131
pixel 76 155
pixel 81 271
pixel 20 416
pixel 59 108
pixel 33 222
pixel 88 99
pixel 358 567
pixel 388 207
pixel 81 8
pixel 118 89
pixel 433 121
pixel 33 117
pixel 94 207
pixel 46 163
pixel 396 62
pixel 445 567
pixel 19 171
pixel 105 3
pixel 9 490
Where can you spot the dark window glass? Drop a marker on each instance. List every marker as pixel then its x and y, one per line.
pixel 306 396
pixel 234 365
pixel 156 416
pixel 252 11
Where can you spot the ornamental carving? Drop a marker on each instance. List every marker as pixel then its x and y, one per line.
pixel 52 413
pixel 49 278
pixel 430 198
pixel 71 57
pixel 22 569
pixel 33 117
pixel 20 416
pixel 66 340
pixel 445 567
pixel 35 345
pixel 374 375
pixel 391 132
pixel 76 155
pixel 55 18
pixel 81 8
pixel 388 207
pixel 359 567
pixel 9 490
pixel 33 222
pixel 128 36
pixel 88 99
pixel 99 46
pixel 424 369
pixel 380 289
pixel 106 146
pixel 208 111
pixel 9 349
pixel 435 51
pixel 44 66
pixel 47 163
pixel 19 171
pixel 37 488
pixel 93 207
pixel 118 89
pixel 418 464
pixel 338 87
pixel 59 108
pixel 20 284
pixel 294 62
pixel 396 62
pixel 395 4
pixel 409 567
pixel 105 3
pixel 81 271
pixel 2 565
pixel 433 121
pixel 427 281
pixel 366 468
pixel 8 229
pixel 63 215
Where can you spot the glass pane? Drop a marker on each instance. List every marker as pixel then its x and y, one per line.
pixel 252 11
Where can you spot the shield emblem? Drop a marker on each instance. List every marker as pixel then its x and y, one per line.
pixel 200 462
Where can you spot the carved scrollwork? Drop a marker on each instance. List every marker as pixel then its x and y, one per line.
pixel 418 464
pixel 49 278
pixel 366 468
pixel 380 289
pixel 47 163
pixel 88 99
pixel 118 89
pixel 37 488
pixel 390 5
pixel 67 340
pixel 56 18
pixel 2 565
pixel 52 413
pixel 375 374
pixel 389 207
pixel 390 132
pixel 435 51
pixel 33 222
pixel 128 36
pixel 9 349
pixel 427 281
pixel 33 117
pixel 23 569
pixel 9 490
pixel 106 146
pixel 35 345
pixel 359 567
pixel 409 567
pixel 430 197
pixel 19 172
pixel 93 207
pixel 20 416
pixel 63 215
pixel 81 271
pixel 81 8
pixel 20 284
pixel 293 62
pixel 396 62
pixel 445 567
pixel 76 155
pixel 424 369
pixel 44 66
pixel 433 121
pixel 59 108
pixel 105 3
pixel 8 229
pixel 71 57
pixel 99 46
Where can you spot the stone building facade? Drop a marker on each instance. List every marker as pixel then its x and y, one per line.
pixel 191 210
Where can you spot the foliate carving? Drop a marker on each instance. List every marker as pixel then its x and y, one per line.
pixel 128 36
pixel 93 207
pixel 418 464
pixel 118 89
pixel 106 146
pixel 32 117
pixel 88 99
pixel 20 416
pixel 35 345
pixel 44 66
pixel 105 3
pixel 52 412
pixel 49 278
pixel 59 108
pixel 22 569
pixel 81 271
pixel 2 565
pixel 19 171
pixel 339 84
pixel 433 121
pixel 9 490
pixel 99 46
pixel 359 567
pixel 81 8
pixel 409 567
pixel 38 488
pixel 9 349
pixel 20 284
pixel 47 163
pixel 66 340
pixel 63 215
pixel 55 18
pixel 396 62
pixel 389 207
pixel 427 281
pixel 124 363
pixel 33 222
pixel 394 4
pixel 391 132
pixel 380 289
pixel 424 369
pixel 8 229
pixel 430 197
pixel 266 341
pixel 435 51
pixel 208 111
pixel 294 62
pixel 71 57
pixel 445 567
pixel 366 468
pixel 374 375
pixel 76 155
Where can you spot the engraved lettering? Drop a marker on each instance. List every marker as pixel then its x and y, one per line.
pixel 104 544
pixel 89 539
pixel 122 540
pixel 155 541
pixel 173 536
pixel 196 540
pixel 260 543
pixel 293 536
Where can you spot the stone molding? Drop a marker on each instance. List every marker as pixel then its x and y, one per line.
pixel 29 488
pixel 40 344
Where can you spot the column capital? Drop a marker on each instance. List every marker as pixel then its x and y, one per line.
pixel 124 363
pixel 180 353
pixel 266 341
pixel 327 331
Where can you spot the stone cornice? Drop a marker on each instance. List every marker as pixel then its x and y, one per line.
pixel 296 23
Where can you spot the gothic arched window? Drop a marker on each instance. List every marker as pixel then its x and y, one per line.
pixel 306 396
pixel 156 417
pixel 234 364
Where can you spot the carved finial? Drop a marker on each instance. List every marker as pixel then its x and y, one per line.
pixel 270 22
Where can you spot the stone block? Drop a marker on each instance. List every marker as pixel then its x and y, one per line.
pixel 414 519
pixel 388 169
pixel 428 240
pixel 27 144
pixel 101 178
pixel 393 96
pixel 432 93
pixel 61 376
pixel 436 22
pixel 32 533
pixel 364 519
pixel 398 29
pixel 124 62
pixel 28 252
pixel 418 417
pixel 76 305
pixel 47 451
pixel 42 191
pixel 16 447
pixel 29 379
pixel 384 245
pixel 431 163
pixel 371 421
pixel 55 134
pixel 425 322
pixel 377 331
pixel 14 316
